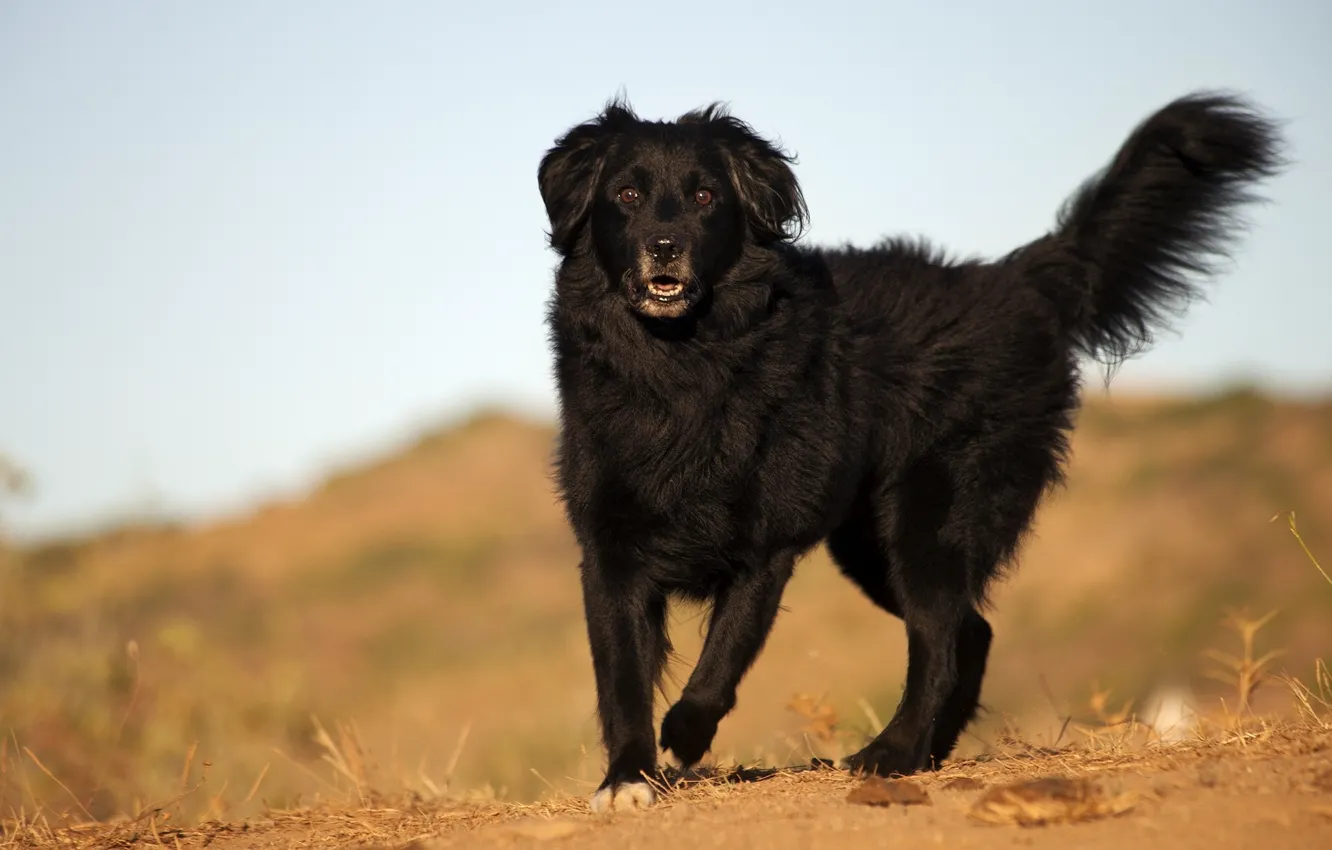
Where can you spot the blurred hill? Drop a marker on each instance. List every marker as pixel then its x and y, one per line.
pixel 424 610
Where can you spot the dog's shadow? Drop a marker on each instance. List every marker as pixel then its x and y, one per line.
pixel 675 778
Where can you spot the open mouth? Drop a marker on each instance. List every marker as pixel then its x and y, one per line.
pixel 664 287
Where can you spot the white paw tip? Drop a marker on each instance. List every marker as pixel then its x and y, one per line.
pixel 623 798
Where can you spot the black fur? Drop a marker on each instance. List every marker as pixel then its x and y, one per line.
pixel 909 409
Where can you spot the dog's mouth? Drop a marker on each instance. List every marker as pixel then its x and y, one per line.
pixel 661 296
pixel 665 288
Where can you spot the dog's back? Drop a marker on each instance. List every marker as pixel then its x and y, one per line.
pixel 1000 340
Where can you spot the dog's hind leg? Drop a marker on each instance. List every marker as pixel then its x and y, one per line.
pixel 626 626
pixel 910 551
pixel 972 651
pixel 935 693
pixel 742 616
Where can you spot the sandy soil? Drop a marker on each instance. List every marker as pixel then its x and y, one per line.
pixel 1268 787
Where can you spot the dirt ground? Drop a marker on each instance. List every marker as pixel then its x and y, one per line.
pixel 1268 786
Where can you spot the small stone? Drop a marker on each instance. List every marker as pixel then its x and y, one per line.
pixel 875 791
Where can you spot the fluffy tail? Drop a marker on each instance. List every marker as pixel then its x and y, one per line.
pixel 1133 242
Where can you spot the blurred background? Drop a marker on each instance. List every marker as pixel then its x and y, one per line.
pixel 276 408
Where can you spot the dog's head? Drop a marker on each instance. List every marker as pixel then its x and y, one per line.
pixel 668 206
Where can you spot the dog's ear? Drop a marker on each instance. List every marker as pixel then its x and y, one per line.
pixel 570 171
pixel 768 189
pixel 761 174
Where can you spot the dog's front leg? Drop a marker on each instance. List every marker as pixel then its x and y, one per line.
pixel 742 616
pixel 626 627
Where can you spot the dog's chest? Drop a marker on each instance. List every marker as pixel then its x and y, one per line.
pixel 725 454
pixel 702 477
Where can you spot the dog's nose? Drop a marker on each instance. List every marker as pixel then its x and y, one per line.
pixel 663 248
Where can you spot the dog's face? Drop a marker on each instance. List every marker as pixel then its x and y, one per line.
pixel 665 221
pixel 669 206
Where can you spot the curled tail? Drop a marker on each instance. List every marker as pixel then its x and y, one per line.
pixel 1132 243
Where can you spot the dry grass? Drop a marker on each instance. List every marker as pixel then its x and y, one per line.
pixel 1023 784
pixel 177 681
pixel 1025 787
pixel 1245 672
pixel 1294 529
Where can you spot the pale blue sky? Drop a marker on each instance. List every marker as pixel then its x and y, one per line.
pixel 242 240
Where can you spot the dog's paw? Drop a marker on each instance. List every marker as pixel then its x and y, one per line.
pixel 885 759
pixel 625 797
pixel 687 731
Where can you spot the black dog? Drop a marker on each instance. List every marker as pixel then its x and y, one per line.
pixel 729 399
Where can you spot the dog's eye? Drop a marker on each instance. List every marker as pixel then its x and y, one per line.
pixel 628 195
pixel 703 197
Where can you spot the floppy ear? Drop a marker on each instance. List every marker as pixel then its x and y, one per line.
pixel 568 177
pixel 761 173
pixel 570 171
